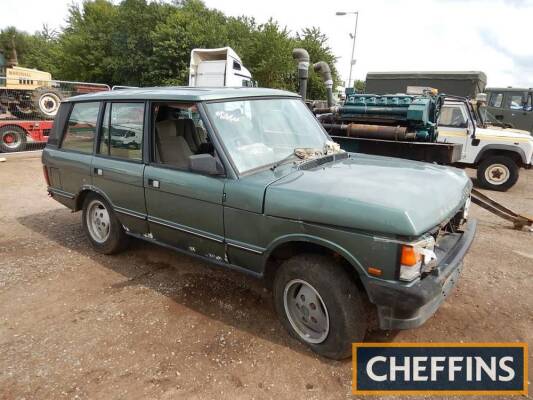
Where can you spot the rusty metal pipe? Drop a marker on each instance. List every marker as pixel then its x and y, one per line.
pixel 385 132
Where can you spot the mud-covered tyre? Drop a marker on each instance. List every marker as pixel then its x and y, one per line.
pixel 497 173
pixel 12 139
pixel 101 226
pixel 319 303
pixel 46 101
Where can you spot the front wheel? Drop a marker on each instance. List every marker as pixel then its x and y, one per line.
pixel 101 226
pixel 497 173
pixel 319 304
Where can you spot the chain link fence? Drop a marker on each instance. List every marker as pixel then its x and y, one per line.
pixel 28 107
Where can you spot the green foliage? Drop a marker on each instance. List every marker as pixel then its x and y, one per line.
pixel 141 43
pixel 359 86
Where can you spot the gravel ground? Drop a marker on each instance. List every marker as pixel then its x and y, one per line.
pixel 151 323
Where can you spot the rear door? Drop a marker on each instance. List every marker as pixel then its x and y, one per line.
pixel 70 165
pixel 118 168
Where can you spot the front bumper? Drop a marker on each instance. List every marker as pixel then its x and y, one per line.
pixel 404 306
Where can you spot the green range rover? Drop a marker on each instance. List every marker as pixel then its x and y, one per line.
pixel 246 178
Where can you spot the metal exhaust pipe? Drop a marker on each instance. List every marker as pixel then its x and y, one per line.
pixel 323 69
pixel 302 56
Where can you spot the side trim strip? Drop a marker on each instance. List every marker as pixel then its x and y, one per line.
pixel 130 213
pixel 245 248
pixel 61 193
pixel 185 229
pixel 234 267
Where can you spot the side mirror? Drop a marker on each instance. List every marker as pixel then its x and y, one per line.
pixel 205 164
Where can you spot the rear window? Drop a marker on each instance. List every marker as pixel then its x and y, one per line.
pixel 81 127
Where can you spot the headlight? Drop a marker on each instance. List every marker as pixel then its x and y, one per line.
pixel 417 258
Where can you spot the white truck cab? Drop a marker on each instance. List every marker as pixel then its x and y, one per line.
pixel 497 153
pixel 217 68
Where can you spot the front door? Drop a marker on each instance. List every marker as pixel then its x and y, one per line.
pixel 118 167
pixel 517 110
pixel 184 208
pixel 453 127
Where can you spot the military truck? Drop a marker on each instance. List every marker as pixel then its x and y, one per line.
pixel 458 83
pixel 511 106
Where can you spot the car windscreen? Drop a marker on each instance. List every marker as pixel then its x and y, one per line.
pixel 261 132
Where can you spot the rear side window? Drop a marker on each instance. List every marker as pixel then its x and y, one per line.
pixel 81 127
pixel 122 130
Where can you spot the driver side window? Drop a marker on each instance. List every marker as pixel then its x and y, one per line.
pixel 178 133
pixel 452 116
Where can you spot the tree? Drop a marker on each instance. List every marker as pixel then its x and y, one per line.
pixel 359 86
pixel 141 43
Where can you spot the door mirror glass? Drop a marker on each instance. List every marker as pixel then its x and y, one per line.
pixel 205 164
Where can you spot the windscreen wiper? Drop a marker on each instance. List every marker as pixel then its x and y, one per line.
pixel 284 160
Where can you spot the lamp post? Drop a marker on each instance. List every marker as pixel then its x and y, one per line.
pixel 352 60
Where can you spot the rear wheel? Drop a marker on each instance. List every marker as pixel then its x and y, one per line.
pixel 12 139
pixel 101 226
pixel 319 304
pixel 497 173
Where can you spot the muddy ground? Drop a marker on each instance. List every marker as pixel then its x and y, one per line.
pixel 151 323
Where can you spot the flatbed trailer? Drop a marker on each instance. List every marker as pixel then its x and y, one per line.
pixel 440 153
pixel 17 135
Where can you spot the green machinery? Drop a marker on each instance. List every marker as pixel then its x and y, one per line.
pixel 389 117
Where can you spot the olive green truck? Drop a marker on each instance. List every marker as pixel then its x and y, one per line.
pixel 247 179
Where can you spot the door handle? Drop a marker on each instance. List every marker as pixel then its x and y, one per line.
pixel 154 183
pixel 98 171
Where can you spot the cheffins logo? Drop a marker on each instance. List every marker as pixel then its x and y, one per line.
pixel 440 368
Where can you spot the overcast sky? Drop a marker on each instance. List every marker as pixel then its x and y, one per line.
pixel 494 36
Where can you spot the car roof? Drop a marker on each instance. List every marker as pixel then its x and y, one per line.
pixel 183 93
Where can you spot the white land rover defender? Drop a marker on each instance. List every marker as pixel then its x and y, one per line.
pixel 497 153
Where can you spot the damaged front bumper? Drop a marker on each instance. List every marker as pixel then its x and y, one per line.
pixel 404 306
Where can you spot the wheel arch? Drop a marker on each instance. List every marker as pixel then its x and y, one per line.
pixel 513 152
pixel 285 247
pixel 12 125
pixel 85 190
